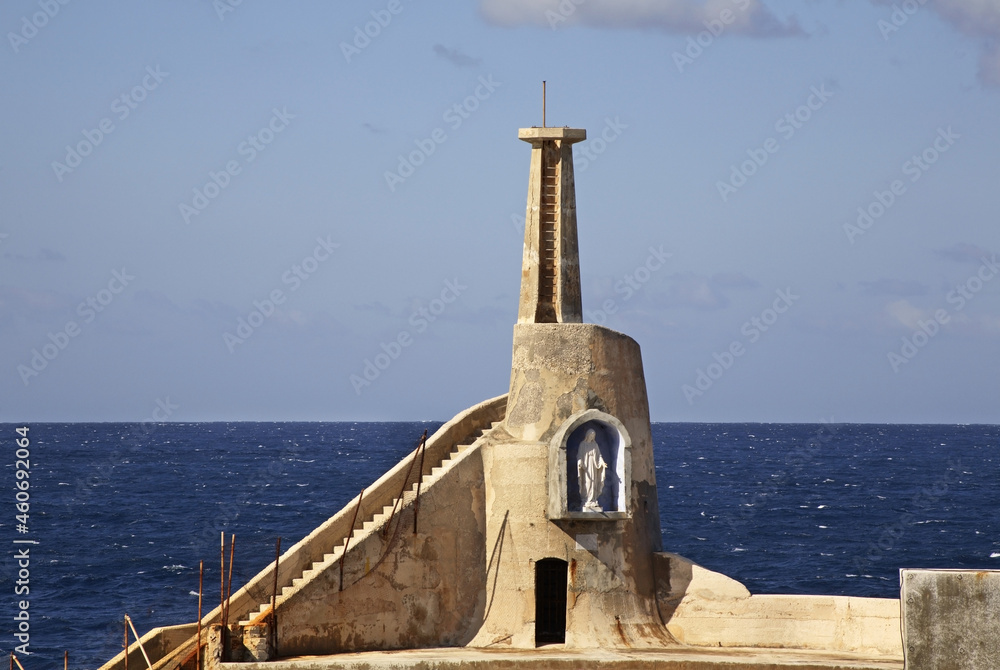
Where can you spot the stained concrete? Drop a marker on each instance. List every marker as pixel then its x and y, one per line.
pixel 951 619
pixel 708 609
pixel 550 271
pixel 567 659
pixel 559 373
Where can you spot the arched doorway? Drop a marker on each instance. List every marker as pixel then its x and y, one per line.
pixel 550 601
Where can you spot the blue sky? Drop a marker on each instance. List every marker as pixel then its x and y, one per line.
pixel 791 206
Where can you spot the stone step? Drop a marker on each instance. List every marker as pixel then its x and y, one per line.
pixel 377 520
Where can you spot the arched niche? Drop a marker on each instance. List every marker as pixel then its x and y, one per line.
pixel 571 440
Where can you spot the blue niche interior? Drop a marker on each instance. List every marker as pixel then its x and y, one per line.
pixel 609 441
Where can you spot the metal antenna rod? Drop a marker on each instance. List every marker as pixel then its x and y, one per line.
pixel 543 103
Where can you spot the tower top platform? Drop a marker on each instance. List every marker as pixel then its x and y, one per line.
pixel 535 133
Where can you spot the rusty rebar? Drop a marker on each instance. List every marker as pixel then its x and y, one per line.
pixel 229 579
pixel 420 478
pixel 222 571
pixel 274 600
pixel 138 641
pixel 347 541
pixel 197 643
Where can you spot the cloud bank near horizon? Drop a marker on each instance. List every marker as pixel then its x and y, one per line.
pixel 979 19
pixel 683 17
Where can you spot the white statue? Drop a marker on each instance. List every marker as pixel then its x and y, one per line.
pixel 590 467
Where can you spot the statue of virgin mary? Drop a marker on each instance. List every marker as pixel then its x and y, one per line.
pixel 590 467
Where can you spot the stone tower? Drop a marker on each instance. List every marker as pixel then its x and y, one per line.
pixel 562 571
pixel 550 271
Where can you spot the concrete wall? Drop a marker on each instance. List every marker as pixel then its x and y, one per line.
pixel 559 370
pixel 159 643
pixel 405 590
pixel 951 619
pixel 705 608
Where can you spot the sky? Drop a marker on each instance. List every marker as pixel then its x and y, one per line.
pixel 246 210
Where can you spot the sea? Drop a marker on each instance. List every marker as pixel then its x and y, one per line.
pixel 119 516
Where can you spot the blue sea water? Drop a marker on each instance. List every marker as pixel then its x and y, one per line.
pixel 123 513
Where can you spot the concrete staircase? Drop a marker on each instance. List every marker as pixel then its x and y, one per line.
pixel 378 522
pixel 174 647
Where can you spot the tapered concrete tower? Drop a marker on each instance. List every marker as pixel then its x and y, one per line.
pixel 550 270
pixel 570 484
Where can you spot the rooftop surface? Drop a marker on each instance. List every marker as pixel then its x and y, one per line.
pixel 678 658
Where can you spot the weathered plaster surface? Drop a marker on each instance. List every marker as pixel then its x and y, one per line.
pixel 611 586
pixel 551 147
pixel 951 619
pixel 403 590
pixel 705 608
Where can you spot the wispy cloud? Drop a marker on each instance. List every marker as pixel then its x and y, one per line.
pixel 733 280
pixel 687 289
pixel 456 57
pixel 963 253
pixel 979 19
pixel 893 287
pixel 43 255
pixel 679 290
pixel 36 305
pixel 685 17
pixel 906 314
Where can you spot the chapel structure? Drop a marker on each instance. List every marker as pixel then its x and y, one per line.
pixel 528 521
